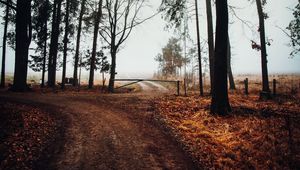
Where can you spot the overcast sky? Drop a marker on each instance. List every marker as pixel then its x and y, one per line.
pixel 137 55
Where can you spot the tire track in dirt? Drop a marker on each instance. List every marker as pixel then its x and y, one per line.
pixel 101 136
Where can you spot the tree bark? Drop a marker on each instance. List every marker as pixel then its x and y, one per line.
pixel 45 46
pixel 2 85
pixel 220 102
pixel 199 50
pixel 265 80
pixel 93 57
pixel 82 10
pixel 112 70
pixel 210 40
pixel 229 70
pixel 66 40
pixel 56 17
pixel 23 39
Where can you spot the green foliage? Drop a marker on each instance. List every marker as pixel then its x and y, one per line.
pixel 294 28
pixel 173 12
pixel 171 59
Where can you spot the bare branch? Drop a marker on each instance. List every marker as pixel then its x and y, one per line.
pixel 287 34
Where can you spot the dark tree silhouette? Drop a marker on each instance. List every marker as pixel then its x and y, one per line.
pixel 56 19
pixel 97 19
pixel 23 39
pixel 265 93
pixel 122 17
pixel 76 57
pixel 2 84
pixel 210 40
pixel 199 50
pixel 41 9
pixel 65 41
pixel 220 102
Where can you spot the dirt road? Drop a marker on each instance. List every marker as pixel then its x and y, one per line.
pixel 108 132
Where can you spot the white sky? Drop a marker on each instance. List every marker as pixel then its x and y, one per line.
pixel 136 59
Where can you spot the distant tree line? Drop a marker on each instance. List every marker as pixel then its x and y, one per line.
pixel 51 27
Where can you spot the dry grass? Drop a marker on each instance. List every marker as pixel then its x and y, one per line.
pixel 257 134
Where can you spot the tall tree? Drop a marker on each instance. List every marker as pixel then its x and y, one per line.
pixel 23 39
pixel 265 93
pixel 97 19
pixel 2 84
pixel 76 57
pixel 45 33
pixel 37 62
pixel 171 59
pixel 220 102
pixel 56 19
pixel 199 50
pixel 210 40
pixel 65 41
pixel 122 17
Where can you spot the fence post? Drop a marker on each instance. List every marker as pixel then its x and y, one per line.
pixel 246 86
pixel 274 87
pixel 178 87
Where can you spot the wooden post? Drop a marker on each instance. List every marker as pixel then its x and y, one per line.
pixel 246 86
pixel 274 87
pixel 178 87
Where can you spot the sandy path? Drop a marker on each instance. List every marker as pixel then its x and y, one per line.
pixel 109 132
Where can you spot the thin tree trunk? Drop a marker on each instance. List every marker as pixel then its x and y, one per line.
pixel 210 40
pixel 65 44
pixel 93 58
pixel 199 50
pixel 23 39
pixel 2 85
pixel 265 80
pixel 45 48
pixel 229 70
pixel 112 70
pixel 82 10
pixel 45 55
pixel 54 43
pixel 220 102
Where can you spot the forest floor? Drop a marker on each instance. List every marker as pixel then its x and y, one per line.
pixel 257 134
pixel 85 129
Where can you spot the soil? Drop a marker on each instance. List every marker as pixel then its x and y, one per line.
pixel 105 131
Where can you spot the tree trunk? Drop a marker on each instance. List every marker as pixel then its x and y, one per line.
pixel 265 80
pixel 220 103
pixel 2 85
pixel 93 58
pixel 54 43
pixel 112 70
pixel 82 10
pixel 23 39
pixel 63 82
pixel 229 70
pixel 199 50
pixel 45 47
pixel 210 40
pixel 45 54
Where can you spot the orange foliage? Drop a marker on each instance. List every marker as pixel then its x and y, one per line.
pixel 255 135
